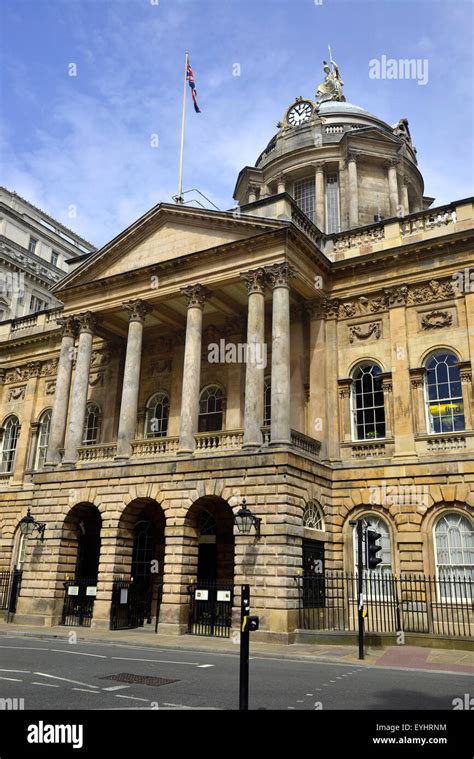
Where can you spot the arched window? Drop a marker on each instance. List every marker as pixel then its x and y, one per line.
pixel 313 516
pixel 368 411
pixel 91 425
pixel 454 542
pixel 43 438
pixel 378 525
pixel 267 402
pixel 444 404
pixel 211 406
pixel 11 431
pixel 157 414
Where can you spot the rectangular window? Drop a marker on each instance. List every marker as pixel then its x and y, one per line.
pixel 36 304
pixel 304 191
pixel 54 257
pixel 332 204
pixel 32 245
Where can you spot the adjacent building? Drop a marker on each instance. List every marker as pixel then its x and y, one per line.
pixel 36 251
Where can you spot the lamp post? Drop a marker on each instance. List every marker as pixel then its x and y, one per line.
pixel 244 520
pixel 29 524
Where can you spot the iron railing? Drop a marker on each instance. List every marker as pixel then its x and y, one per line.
pixel 409 603
pixel 133 604
pixel 4 585
pixel 210 608
pixel 79 597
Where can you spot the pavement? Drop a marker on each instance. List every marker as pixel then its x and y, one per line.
pixel 401 656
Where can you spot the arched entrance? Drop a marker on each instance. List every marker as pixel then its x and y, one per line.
pixel 80 553
pixel 138 579
pixel 211 523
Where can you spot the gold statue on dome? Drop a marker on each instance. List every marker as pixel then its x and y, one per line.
pixel 331 88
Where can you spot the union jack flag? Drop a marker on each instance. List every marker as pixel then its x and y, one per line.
pixel 190 78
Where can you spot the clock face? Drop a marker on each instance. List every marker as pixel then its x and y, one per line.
pixel 299 113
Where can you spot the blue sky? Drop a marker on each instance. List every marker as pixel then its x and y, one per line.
pixel 85 141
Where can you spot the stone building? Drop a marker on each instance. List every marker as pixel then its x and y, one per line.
pixel 36 251
pixel 310 352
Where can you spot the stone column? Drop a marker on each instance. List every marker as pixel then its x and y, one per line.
pixel 387 388
pixel 61 392
pixel 417 379
pixel 27 401
pixel 393 186
pixel 279 276
pixel 345 426
pixel 281 184
pixel 80 388
pixel 137 310
pixel 299 370
pixel 465 371
pixel 403 427
pixel 320 197
pixel 252 193
pixel 353 190
pixel 317 411
pixel 405 203
pixel 256 357
pixel 195 296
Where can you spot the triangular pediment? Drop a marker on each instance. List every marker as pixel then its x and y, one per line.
pixel 164 234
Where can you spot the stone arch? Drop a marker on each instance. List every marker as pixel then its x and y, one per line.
pixel 80 542
pixel 366 360
pixel 365 509
pixel 140 553
pixel 441 348
pixel 430 519
pixel 209 525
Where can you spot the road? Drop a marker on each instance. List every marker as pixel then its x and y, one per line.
pixel 53 674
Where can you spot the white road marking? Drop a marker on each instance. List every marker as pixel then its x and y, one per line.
pixel 47 685
pixel 132 698
pixel 117 687
pixel 299 701
pixel 95 692
pixel 26 648
pixel 13 679
pixel 290 707
pixel 309 694
pixel 77 653
pixel 74 682
pixel 159 661
pixel 21 671
pixel 204 666
pixel 332 681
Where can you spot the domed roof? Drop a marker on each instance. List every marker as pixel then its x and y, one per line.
pixel 334 106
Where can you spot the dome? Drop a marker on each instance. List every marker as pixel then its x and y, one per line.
pixel 332 106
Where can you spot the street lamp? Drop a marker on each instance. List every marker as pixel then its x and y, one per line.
pixel 29 524
pixel 244 520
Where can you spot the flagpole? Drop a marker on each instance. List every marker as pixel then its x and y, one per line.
pixel 179 197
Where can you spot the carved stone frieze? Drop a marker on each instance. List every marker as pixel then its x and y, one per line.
pixel 436 319
pixel 365 331
pixel 17 393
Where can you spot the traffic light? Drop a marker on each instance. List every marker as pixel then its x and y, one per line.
pixel 373 548
pixel 253 624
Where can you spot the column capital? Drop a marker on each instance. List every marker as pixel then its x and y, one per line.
pixel 279 275
pixel 137 309
pixel 255 279
pixel 68 325
pixel 465 371
pixel 417 376
pixel 86 322
pixel 387 382
pixel 319 167
pixel 352 156
pixel 392 162
pixel 345 387
pixel 195 295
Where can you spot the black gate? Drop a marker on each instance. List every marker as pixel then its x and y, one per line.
pixel 79 602
pixel 210 608
pixel 10 583
pixel 132 605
